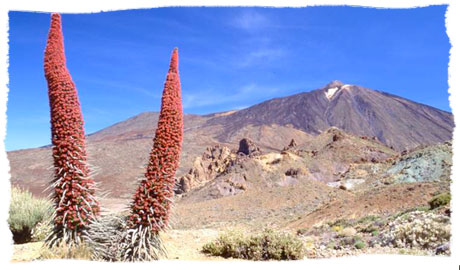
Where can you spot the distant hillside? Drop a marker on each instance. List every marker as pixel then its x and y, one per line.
pixel 120 151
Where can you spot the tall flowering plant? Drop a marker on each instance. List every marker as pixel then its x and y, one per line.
pixel 151 205
pixel 75 204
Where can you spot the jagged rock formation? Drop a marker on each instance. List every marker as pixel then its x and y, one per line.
pixel 219 161
pixel 324 159
pixel 213 162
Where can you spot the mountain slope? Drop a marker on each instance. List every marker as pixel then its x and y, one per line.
pixel 395 121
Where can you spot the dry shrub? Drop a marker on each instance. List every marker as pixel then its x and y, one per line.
pixel 63 251
pixel 421 230
pixel 42 230
pixel 440 200
pixel 25 213
pixel 267 245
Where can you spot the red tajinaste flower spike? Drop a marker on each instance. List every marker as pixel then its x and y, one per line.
pixel 155 192
pixel 71 173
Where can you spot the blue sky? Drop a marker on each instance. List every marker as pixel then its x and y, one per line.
pixel 229 58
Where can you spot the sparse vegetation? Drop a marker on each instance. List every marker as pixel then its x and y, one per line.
pixel 337 228
pixel 302 231
pixel 422 230
pixel 439 200
pixel 42 230
pixel 343 223
pixel 406 212
pixel 267 245
pixel 332 245
pixel 371 228
pixel 349 231
pixel 80 252
pixel 25 213
pixel 418 230
pixel 360 244
pixel 368 219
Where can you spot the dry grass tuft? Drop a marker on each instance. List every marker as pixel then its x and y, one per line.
pixel 79 252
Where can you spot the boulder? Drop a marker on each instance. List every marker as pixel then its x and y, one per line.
pixel 248 148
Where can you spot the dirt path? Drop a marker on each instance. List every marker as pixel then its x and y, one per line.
pixel 26 252
pixel 187 244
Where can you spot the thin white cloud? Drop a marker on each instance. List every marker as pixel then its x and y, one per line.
pixel 243 93
pixel 261 56
pixel 250 20
pixel 249 93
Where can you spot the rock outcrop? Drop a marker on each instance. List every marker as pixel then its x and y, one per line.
pixel 424 164
pixel 291 145
pixel 213 162
pixel 248 148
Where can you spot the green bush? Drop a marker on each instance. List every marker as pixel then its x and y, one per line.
pixel 25 213
pixel 350 241
pixel 360 245
pixel 267 245
pixel 332 245
pixel 343 223
pixel 368 219
pixel 440 200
